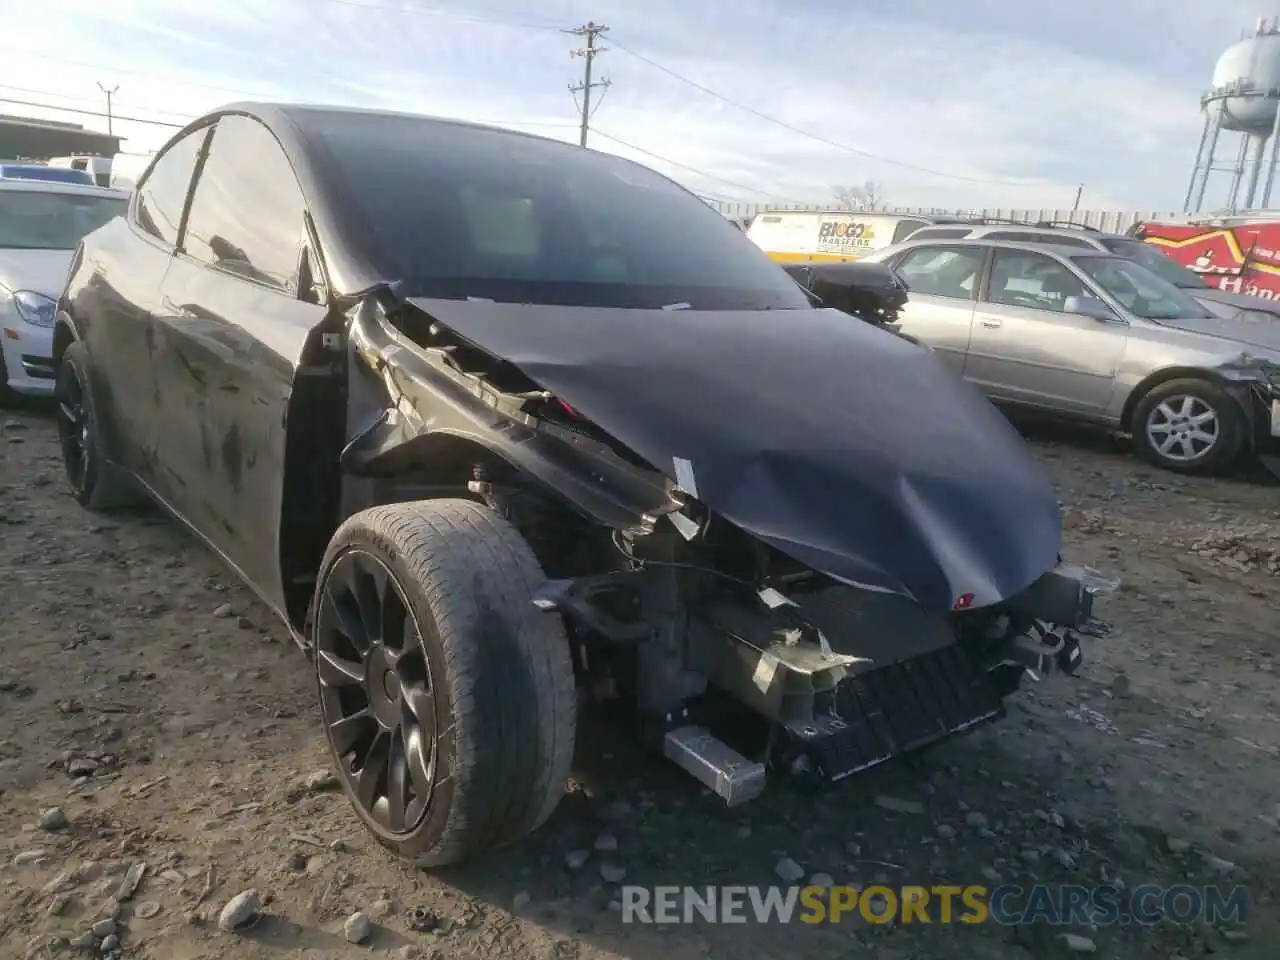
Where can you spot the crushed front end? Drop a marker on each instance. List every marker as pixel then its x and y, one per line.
pixel 744 665
pixel 774 588
pixel 1255 384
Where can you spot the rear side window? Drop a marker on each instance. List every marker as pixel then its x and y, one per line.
pixel 907 228
pixel 247 215
pixel 162 194
pixel 1056 239
pixel 940 233
pixel 942 271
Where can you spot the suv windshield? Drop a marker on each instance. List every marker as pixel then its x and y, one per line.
pixel 459 211
pixel 47 220
pixel 1140 291
pixel 1156 262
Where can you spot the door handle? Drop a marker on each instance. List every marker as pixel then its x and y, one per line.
pixel 991 322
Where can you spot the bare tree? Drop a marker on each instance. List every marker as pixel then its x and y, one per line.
pixel 846 197
pixel 865 198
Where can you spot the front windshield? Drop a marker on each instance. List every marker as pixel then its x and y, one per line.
pixel 47 220
pixel 458 211
pixel 1140 291
pixel 1158 263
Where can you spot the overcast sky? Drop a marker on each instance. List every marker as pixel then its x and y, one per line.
pixel 1025 100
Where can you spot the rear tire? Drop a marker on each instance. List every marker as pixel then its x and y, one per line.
pixel 448 699
pixel 1190 426
pixel 95 483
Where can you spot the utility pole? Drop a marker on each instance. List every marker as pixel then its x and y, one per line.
pixel 110 93
pixel 588 53
pixel 1079 193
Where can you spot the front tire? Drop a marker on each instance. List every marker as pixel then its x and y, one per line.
pixel 1189 426
pixel 94 482
pixel 448 699
pixel 7 396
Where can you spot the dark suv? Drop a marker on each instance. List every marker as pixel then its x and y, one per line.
pixel 486 418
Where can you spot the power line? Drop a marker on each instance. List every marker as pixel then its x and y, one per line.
pixel 676 163
pixel 132 73
pixel 818 137
pixel 588 53
pixel 412 9
pixel 68 96
pixel 561 124
pixel 91 113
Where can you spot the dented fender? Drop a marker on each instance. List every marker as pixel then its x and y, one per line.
pixel 416 405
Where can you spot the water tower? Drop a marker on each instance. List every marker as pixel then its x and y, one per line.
pixel 1244 98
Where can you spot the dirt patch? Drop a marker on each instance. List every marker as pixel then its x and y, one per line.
pixel 150 699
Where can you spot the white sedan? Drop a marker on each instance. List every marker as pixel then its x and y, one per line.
pixel 41 222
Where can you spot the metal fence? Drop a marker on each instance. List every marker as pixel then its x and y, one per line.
pixel 1113 221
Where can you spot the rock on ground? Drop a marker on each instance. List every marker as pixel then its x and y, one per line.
pixel 186 749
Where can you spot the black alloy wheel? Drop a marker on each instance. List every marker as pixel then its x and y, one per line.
pixel 377 696
pixel 448 698
pixel 75 431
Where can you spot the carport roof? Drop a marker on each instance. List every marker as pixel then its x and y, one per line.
pixel 33 139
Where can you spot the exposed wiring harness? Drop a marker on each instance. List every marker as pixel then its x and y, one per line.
pixel 639 563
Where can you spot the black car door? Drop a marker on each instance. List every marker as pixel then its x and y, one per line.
pixel 126 287
pixel 232 329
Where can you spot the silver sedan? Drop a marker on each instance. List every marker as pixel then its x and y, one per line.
pixel 1098 338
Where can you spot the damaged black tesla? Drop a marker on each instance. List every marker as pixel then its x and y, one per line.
pixel 492 421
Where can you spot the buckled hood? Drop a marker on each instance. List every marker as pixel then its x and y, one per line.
pixel 844 446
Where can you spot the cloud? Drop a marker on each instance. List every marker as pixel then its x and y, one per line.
pixel 1018 104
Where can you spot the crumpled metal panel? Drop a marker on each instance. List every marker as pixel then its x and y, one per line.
pixel 849 449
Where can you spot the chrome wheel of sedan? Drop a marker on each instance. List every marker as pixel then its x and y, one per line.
pixel 1189 425
pixel 376 693
pixel 1183 428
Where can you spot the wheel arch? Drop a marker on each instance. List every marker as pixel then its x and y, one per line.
pixel 441 458
pixel 440 464
pixel 64 334
pixel 1166 375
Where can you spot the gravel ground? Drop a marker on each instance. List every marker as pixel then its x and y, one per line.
pixel 157 731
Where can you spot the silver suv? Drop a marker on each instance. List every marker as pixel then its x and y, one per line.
pixel 1221 303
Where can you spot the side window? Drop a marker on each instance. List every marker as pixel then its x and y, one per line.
pixel 1064 241
pixel 248 216
pixel 1024 236
pixel 905 229
pixel 1032 280
pixel 942 271
pixel 163 191
pixel 939 233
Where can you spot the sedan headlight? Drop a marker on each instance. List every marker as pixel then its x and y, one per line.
pixel 35 308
